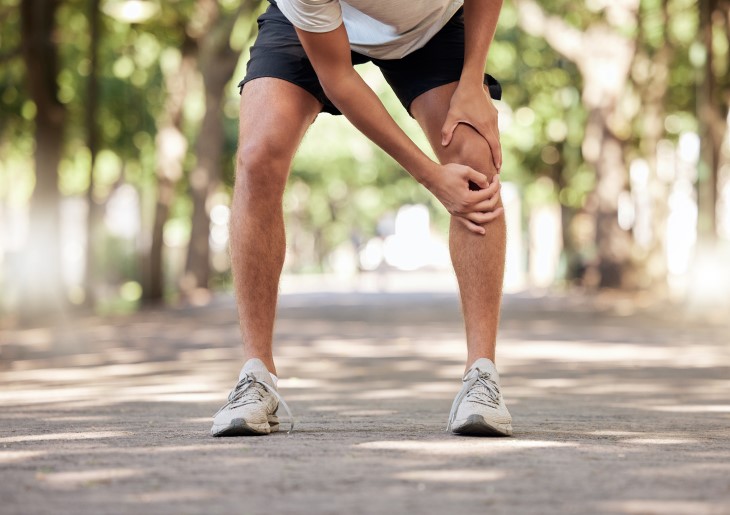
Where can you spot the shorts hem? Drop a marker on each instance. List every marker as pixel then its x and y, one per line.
pixel 493 86
pixel 325 107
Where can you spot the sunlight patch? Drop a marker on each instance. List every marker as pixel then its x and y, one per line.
pixel 697 408
pixel 13 456
pixel 673 507
pixel 64 436
pixel 452 476
pixel 461 446
pixel 659 441
pixel 88 477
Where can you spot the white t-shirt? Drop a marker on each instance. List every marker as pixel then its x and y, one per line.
pixel 383 29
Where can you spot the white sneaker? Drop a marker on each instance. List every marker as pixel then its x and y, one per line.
pixel 479 409
pixel 252 405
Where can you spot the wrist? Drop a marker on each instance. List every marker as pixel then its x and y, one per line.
pixel 471 80
pixel 467 91
pixel 425 172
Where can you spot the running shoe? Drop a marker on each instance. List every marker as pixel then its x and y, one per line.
pixel 252 405
pixel 479 409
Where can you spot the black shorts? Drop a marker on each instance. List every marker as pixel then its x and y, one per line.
pixel 278 53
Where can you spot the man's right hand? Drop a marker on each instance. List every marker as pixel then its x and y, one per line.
pixel 450 185
pixel 329 53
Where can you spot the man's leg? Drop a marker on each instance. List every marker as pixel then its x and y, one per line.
pixel 479 408
pixel 275 115
pixel 478 260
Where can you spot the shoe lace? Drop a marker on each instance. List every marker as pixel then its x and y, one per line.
pixel 478 387
pixel 249 390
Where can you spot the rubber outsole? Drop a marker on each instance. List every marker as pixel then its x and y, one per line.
pixel 476 425
pixel 239 427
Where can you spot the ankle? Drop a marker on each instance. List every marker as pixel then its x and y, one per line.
pixel 267 360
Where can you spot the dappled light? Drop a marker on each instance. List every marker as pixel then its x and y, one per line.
pixel 147 195
pixel 609 407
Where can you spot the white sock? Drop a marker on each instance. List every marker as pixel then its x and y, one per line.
pixel 276 379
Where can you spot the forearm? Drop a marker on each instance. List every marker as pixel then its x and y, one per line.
pixel 329 53
pixel 361 106
pixel 480 24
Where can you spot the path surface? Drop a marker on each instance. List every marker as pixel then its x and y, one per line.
pixel 612 414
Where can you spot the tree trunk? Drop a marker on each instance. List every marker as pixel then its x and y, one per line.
pixel 43 293
pixel 604 56
pixel 206 175
pixel 712 117
pixel 171 148
pixel 653 92
pixel 94 216
pixel 612 242
pixel 218 62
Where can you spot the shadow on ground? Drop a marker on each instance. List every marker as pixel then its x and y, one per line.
pixel 613 414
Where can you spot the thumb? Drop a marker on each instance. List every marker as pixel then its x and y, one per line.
pixel 447 131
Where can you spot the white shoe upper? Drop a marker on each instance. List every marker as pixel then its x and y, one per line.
pixel 253 400
pixel 480 395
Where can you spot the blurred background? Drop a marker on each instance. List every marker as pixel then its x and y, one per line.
pixel 118 129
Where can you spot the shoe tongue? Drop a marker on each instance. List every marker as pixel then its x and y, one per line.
pixel 485 365
pixel 256 368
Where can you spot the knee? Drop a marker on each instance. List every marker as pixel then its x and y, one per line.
pixel 469 148
pixel 261 172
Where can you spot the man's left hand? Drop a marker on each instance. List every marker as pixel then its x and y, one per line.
pixel 473 106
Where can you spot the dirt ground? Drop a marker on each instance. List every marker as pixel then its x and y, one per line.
pixel 615 411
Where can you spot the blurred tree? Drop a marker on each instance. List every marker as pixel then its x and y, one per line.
pixel 543 123
pixel 217 59
pixel 171 148
pixel 43 294
pixel 651 77
pixel 713 104
pixel 603 52
pixel 94 216
pixel 589 87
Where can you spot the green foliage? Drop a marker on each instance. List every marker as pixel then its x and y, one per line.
pixel 543 111
pixel 341 184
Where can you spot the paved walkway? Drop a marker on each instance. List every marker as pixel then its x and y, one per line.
pixel 612 413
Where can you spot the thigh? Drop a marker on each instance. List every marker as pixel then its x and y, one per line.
pixel 467 147
pixel 274 117
pixel 278 53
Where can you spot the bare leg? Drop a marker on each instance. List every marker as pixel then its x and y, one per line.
pixel 275 115
pixel 478 260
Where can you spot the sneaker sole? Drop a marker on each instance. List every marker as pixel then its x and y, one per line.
pixel 239 427
pixel 476 425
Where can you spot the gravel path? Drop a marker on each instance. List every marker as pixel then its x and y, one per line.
pixel 613 413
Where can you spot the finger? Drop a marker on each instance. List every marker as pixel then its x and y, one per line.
pixel 493 215
pixel 478 218
pixel 485 193
pixel 486 205
pixel 495 186
pixel 496 148
pixel 485 218
pixel 477 197
pixel 476 229
pixel 477 178
pixel 482 129
pixel 447 131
